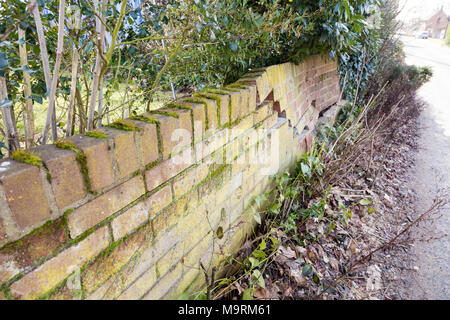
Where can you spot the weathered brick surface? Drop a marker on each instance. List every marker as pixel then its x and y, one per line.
pixel 148 141
pixel 130 220
pixel 163 226
pixel 184 137
pixel 125 151
pixel 66 178
pixel 199 117
pixel 235 110
pixel 47 276
pixel 99 162
pixel 159 200
pixel 88 215
pixel 170 215
pixel 189 180
pixel 212 114
pixel 32 249
pixel 108 266
pixel 223 108
pixel 24 193
pixel 167 126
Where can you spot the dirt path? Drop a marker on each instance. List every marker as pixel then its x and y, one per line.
pixel 431 260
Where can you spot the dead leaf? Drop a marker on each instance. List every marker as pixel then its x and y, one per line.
pixel 296 276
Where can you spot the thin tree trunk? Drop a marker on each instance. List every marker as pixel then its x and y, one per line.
pixel 59 50
pixel 100 28
pixel 81 112
pixel 28 116
pixel 12 139
pixel 73 89
pixel 100 105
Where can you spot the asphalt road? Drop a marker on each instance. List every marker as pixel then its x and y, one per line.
pixel 432 168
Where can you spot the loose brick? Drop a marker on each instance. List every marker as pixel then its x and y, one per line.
pixel 24 193
pixel 32 249
pixel 47 276
pixel 66 178
pixel 99 209
pixel 99 162
pixel 130 220
pixel 124 151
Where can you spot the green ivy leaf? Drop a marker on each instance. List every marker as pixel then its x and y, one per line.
pixel 259 278
pixel 365 202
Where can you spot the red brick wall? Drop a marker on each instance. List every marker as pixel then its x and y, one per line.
pixel 134 221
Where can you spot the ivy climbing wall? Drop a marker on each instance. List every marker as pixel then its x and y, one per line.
pixel 130 210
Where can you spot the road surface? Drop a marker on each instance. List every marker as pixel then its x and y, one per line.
pixel 432 166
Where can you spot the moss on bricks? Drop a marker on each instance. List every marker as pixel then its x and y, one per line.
pixel 123 124
pixel 27 157
pixel 177 106
pixel 99 134
pixel 205 105
pixel 212 97
pixel 81 159
pixel 144 118
pixel 217 91
pixel 236 85
pixel 165 113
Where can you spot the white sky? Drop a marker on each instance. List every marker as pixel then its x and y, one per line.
pixel 422 9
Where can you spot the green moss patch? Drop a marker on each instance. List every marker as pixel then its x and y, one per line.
pixel 205 105
pixel 167 113
pixel 148 119
pixel 144 118
pixel 228 88
pixel 236 85
pixel 123 124
pixel 212 97
pixel 27 157
pixel 178 106
pixel 217 91
pixel 99 134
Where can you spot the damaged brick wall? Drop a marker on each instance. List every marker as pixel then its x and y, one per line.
pixel 129 214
